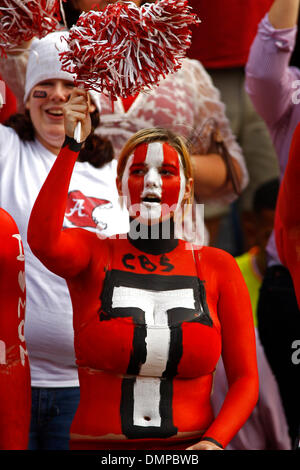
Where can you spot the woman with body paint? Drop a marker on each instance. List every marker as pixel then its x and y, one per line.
pixel 29 144
pixel 152 313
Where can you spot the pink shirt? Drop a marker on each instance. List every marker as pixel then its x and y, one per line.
pixel 272 87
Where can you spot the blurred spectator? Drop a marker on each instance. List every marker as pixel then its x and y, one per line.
pixel 253 263
pixel 266 429
pixel 270 83
pixel 10 103
pixel 221 42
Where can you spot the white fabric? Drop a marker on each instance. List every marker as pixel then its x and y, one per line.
pixel 43 63
pixel 48 327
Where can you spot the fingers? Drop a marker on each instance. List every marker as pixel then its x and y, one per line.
pixel 77 110
pixel 77 106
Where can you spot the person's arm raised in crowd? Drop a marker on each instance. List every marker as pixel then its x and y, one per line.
pixel 269 79
pixel 65 252
pixel 284 13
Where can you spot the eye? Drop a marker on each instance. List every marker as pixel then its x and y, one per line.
pixel 137 170
pixel 167 171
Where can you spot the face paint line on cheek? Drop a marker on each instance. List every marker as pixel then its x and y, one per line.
pixel 39 94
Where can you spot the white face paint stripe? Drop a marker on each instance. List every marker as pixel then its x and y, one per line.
pixel 154 160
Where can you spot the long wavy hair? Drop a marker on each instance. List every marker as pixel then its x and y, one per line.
pixel 97 150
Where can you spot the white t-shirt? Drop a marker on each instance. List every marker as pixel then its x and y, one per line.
pixel 92 202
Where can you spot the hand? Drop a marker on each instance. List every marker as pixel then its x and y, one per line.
pixel 204 445
pixel 77 109
pixel 17 50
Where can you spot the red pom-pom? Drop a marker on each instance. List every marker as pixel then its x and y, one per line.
pixel 123 49
pixel 21 20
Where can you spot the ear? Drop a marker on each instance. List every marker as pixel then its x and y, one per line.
pixel 119 186
pixel 188 189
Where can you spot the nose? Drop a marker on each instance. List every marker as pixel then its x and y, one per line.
pixel 59 92
pixel 152 178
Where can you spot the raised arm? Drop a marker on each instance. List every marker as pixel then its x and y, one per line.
pixel 238 353
pixel 62 251
pixel 284 13
pixel 268 76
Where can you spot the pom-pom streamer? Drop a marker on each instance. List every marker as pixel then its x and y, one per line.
pixel 21 20
pixel 123 49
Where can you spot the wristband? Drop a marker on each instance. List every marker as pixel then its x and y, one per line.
pixel 210 439
pixel 72 144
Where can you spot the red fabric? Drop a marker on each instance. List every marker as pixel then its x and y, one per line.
pixel 107 341
pixel 15 391
pixel 287 217
pixel 127 102
pixel 227 30
pixel 10 106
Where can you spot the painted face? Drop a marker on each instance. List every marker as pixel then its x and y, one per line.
pixel 153 182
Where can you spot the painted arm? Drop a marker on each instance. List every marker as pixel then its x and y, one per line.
pixel 62 251
pixel 15 390
pixel 287 219
pixel 269 79
pixel 238 353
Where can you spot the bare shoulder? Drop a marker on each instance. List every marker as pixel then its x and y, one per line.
pixel 216 257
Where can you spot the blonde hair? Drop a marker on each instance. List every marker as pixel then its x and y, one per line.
pixel 157 134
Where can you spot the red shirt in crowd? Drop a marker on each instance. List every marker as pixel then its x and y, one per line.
pixel 226 31
pixel 15 391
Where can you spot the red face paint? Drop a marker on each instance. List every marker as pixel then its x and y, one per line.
pixel 154 179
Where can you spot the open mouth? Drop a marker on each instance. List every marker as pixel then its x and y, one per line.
pixel 54 112
pixel 151 199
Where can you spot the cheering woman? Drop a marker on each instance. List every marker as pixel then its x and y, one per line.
pixel 152 314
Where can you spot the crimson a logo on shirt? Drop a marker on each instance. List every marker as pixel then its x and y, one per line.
pixel 86 212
